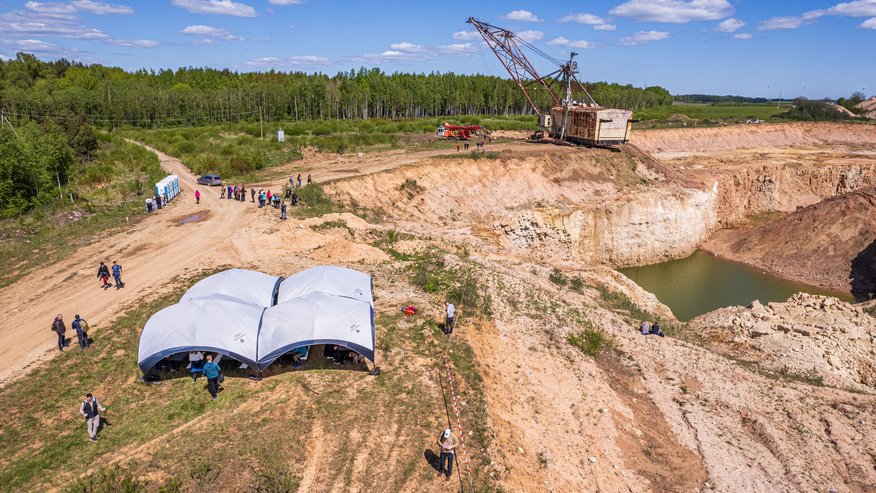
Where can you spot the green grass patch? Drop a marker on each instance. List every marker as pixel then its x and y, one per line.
pixel 313 202
pixel 591 340
pixel 473 155
pixel 458 284
pixel 618 301
pixel 109 193
pixel 707 114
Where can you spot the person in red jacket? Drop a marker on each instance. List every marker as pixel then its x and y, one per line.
pixel 197 197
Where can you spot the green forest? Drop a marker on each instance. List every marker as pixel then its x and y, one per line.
pixel 111 97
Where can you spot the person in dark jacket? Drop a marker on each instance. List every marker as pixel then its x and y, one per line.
pixel 211 371
pixel 103 274
pixel 91 410
pixel 283 211
pixel 59 328
pixel 158 201
pixel 117 274
pixel 81 328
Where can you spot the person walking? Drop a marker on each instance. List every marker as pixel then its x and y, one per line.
pixel 447 443
pixel 197 197
pixel 103 274
pixel 117 274
pixel 91 409
pixel 299 180
pixel 212 371
pixel 449 320
pixel 81 328
pixel 59 328
pixel 309 179
pixel 283 211
pixel 252 194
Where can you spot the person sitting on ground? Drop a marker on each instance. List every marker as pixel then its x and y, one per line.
pixel 645 328
pixel 655 329
pixel 196 360
pixel 298 354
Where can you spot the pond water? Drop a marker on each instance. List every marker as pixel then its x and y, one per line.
pixel 703 282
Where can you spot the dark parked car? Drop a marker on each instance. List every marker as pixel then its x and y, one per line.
pixel 210 180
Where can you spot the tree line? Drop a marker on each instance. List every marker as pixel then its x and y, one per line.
pixel 112 97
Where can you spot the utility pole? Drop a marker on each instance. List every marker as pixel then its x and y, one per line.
pixel 261 121
pixel 5 120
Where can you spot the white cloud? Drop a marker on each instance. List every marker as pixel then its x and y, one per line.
pixel 292 61
pixel 530 35
pixel 868 24
pixel 742 36
pixel 465 35
pixel 588 19
pixel 858 8
pixel 781 23
pixel 561 41
pixel 284 2
pixel 203 42
pixel 406 47
pixel 134 43
pixel 221 7
pixel 46 22
pixel 101 8
pixel 522 16
pixel 457 49
pixel 730 25
pixel 38 47
pixel 597 22
pixel 643 37
pixel 50 8
pixel 211 32
pixel 4 58
pixel 673 11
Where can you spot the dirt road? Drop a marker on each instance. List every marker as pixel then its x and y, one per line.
pixel 157 250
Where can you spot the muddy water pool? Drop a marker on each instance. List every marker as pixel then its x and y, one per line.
pixel 703 282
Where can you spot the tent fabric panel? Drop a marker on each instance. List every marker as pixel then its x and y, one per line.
pixel 269 359
pixel 318 316
pixel 328 279
pixel 216 322
pixel 150 361
pixel 248 286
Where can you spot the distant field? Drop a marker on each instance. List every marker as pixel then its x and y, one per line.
pixel 711 113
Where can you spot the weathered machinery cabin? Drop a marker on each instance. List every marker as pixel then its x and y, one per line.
pixel 590 125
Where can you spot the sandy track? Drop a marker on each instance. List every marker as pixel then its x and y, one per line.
pixel 157 250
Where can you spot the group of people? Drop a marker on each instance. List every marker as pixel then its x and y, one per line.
pixel 79 325
pixel 156 202
pixel 649 328
pixel 465 145
pixel 265 198
pixel 103 274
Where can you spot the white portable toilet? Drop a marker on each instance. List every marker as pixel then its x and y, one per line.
pixel 281 136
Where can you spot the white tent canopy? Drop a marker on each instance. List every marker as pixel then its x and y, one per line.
pixel 237 313
pixel 246 285
pixel 327 279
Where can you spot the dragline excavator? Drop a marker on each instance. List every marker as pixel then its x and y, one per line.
pixel 567 121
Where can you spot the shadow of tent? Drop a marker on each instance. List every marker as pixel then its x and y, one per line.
pixel 863 274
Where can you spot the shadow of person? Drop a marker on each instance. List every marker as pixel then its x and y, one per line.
pixel 103 423
pixel 863 274
pixel 432 459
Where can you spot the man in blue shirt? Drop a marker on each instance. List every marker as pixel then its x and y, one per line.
pixel 117 274
pixel 211 371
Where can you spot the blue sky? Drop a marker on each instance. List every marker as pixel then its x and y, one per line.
pixel 747 47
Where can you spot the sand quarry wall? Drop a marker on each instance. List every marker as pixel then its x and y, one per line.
pixel 717 139
pixel 577 204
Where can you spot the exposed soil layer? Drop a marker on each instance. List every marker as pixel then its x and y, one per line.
pixel 831 244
